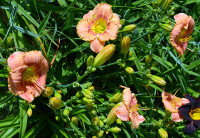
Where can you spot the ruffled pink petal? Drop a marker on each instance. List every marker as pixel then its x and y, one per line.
pixel 184 101
pixel 88 15
pixel 181 17
pixel 15 60
pixel 32 58
pixel 102 10
pixel 133 100
pixel 15 83
pixel 166 99
pixel 127 97
pixel 116 19
pixel 190 26
pixel 96 45
pixel 84 30
pixel 34 89
pixel 110 33
pixel 176 117
pixel 136 119
pixel 122 113
pixel 27 96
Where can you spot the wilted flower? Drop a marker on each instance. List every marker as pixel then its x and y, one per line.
pixel 27 77
pixel 180 35
pixel 191 112
pixel 128 110
pixel 172 103
pixel 98 26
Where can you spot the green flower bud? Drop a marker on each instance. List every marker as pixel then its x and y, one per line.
pixel 48 92
pixel 87 93
pixel 148 59
pixel 87 100
pixel 119 121
pixel 93 112
pixel 57 118
pixel 74 120
pixel 163 133
pixel 90 61
pixel 125 45
pixel 122 22
pixel 104 55
pixel 9 41
pixel 29 112
pixel 101 124
pixel 114 129
pixel 115 98
pixel 100 133
pixel 129 28
pixel 89 106
pixel 32 106
pixel 166 27
pixel 58 95
pixel 66 112
pixel 166 4
pixel 91 88
pixel 112 114
pixel 79 94
pixel 129 70
pixel 95 121
pixel 156 79
pixel 55 103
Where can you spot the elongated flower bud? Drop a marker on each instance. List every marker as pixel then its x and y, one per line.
pixel 9 41
pixel 29 112
pixel 115 98
pixel 112 114
pixel 125 45
pixel 90 61
pixel 166 27
pixel 163 133
pixel 156 79
pixel 129 28
pixel 55 103
pixel 122 21
pixel 87 93
pixel 114 129
pixel 104 55
pixel 100 133
pixel 129 70
pixel 119 121
pixel 166 4
pixel 148 60
pixel 48 92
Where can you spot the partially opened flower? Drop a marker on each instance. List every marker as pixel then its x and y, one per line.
pixel 180 35
pixel 191 112
pixel 27 77
pixel 98 26
pixel 128 110
pixel 172 103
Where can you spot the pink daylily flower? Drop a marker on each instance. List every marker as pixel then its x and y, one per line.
pixel 128 110
pixel 27 77
pixel 98 26
pixel 180 35
pixel 172 103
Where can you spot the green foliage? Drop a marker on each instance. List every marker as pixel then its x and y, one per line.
pixel 50 26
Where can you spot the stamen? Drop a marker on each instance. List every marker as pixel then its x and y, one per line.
pixel 176 92
pixel 186 39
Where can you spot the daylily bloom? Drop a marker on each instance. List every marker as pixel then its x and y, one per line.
pixel 128 110
pixel 191 112
pixel 98 26
pixel 27 77
pixel 180 35
pixel 172 103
